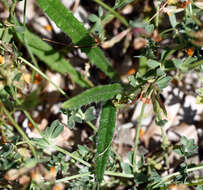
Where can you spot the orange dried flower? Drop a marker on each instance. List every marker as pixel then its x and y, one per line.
pixel 141 133
pixel 172 187
pixel 48 27
pixel 30 125
pixel 131 71
pixel 190 51
pixel 37 78
pixel 58 187
pixel 1 59
pixel 36 176
pixel 53 171
pixel 145 100
pixel 185 4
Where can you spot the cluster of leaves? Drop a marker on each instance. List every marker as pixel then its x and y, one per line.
pixel 78 116
pixel 147 85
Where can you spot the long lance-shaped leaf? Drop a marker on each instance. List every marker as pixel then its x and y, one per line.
pixel 105 136
pixel 50 56
pixel 65 20
pixel 99 93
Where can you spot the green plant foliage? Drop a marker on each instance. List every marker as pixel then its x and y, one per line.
pixel 47 141
pixel 121 3
pixel 54 130
pixel 51 57
pixel 99 93
pixel 199 187
pixel 65 20
pixel 152 63
pixel 163 82
pixel 173 21
pixel 187 147
pixel 97 29
pixel 105 136
pixel 169 50
pixel 78 116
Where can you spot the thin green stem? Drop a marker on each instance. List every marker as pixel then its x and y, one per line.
pixel 92 126
pixel 72 156
pixel 30 53
pixel 193 65
pixel 157 16
pixel 166 178
pixel 117 174
pixel 24 12
pixel 4 35
pixel 18 128
pixel 157 13
pixel 66 179
pixel 165 144
pixel 165 31
pixel 31 56
pixel 199 167
pixel 122 19
pixel 12 11
pixel 43 75
pixel 137 138
pixel 33 123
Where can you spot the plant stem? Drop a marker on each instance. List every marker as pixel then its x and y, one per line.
pixel 33 123
pixel 116 174
pixel 43 75
pixel 166 31
pixel 18 128
pixel 165 144
pixel 122 19
pixel 191 66
pixel 164 179
pixel 92 126
pixel 72 156
pixel 24 13
pixel 65 179
pixel 12 11
pixel 137 138
pixel 4 35
pixel 157 13
pixel 199 167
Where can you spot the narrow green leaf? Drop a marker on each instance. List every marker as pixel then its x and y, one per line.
pixel 99 93
pixel 172 19
pixel 65 20
pixel 121 3
pixel 105 136
pixel 50 56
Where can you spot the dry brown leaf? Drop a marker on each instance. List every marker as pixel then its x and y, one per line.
pixel 115 39
pixel 139 43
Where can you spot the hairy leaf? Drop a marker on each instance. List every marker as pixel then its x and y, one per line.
pixel 99 93
pixel 65 20
pixel 105 136
pixel 50 56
